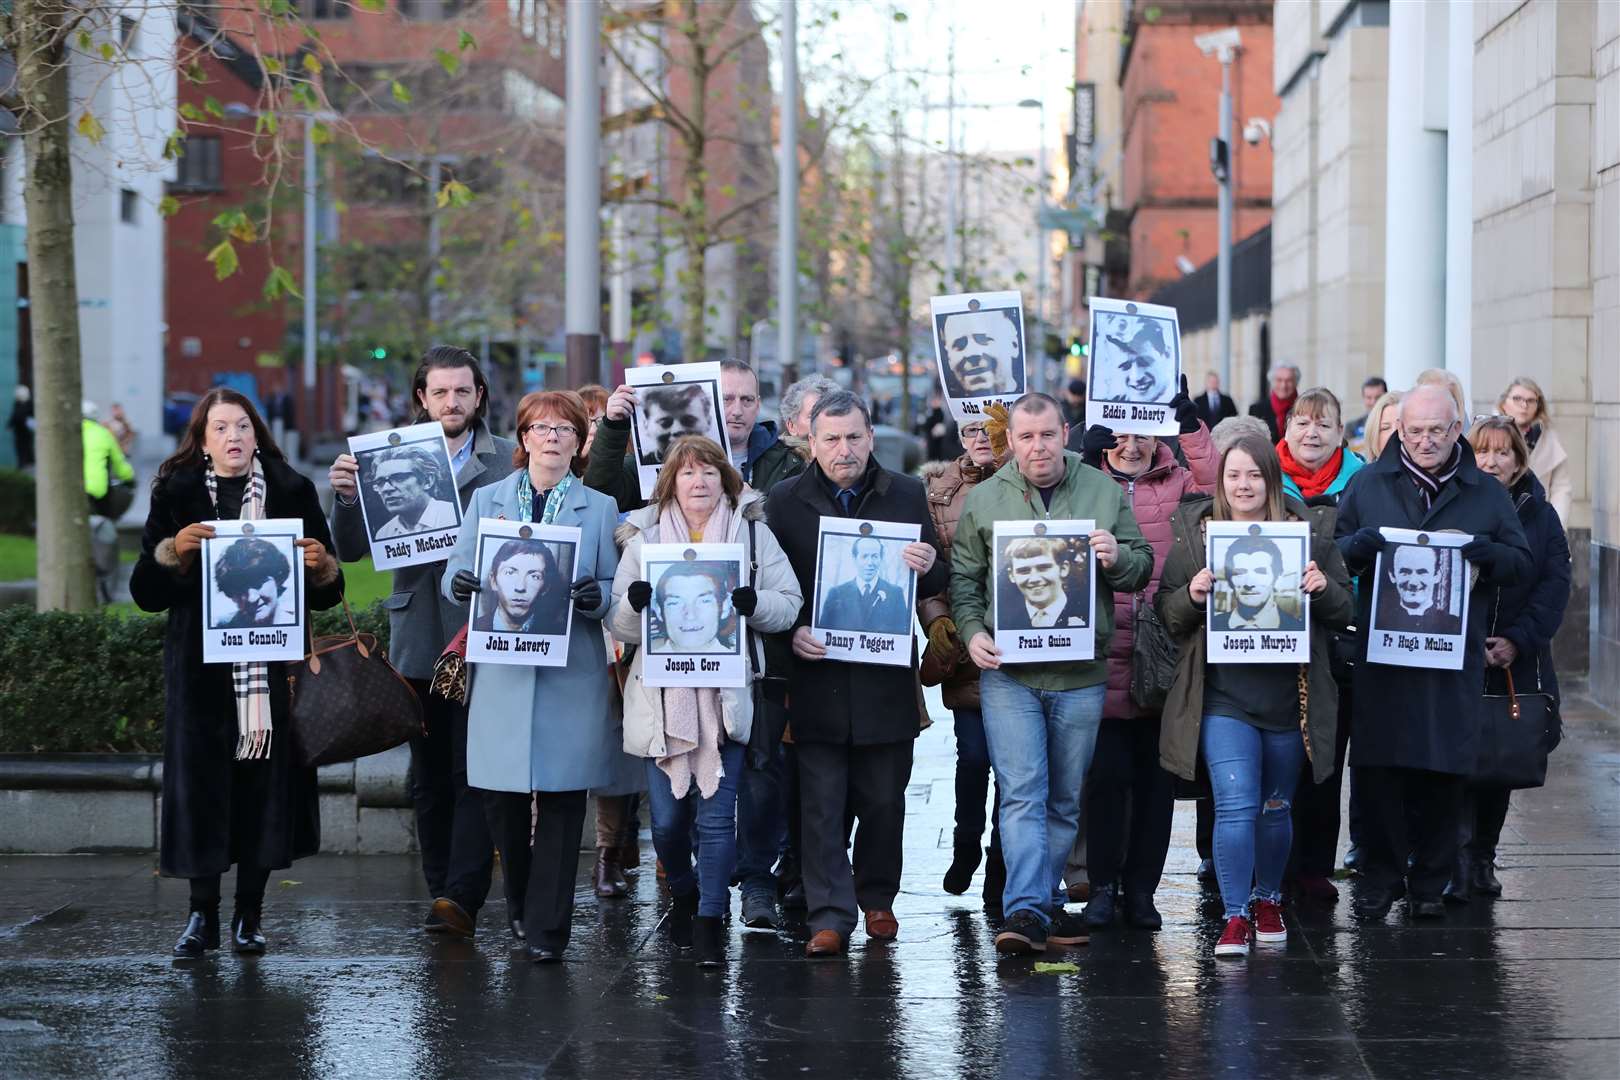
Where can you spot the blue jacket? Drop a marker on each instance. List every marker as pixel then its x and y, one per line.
pixel 1351 465
pixel 1528 613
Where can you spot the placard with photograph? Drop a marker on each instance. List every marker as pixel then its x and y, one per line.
pixel 672 400
pixel 864 590
pixel 407 495
pixel 253 591
pixel 1044 593
pixel 1258 611
pixel 1420 600
pixel 693 636
pixel 1135 367
pixel 522 611
pixel 979 346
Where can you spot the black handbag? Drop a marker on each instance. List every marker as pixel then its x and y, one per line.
pixel 768 694
pixel 1153 658
pixel 348 701
pixel 1516 733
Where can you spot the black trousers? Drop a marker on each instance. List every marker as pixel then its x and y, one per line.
pixel 1409 812
pixel 539 874
pixel 1484 810
pixel 836 782
pixel 1130 804
pixel 250 883
pixel 1316 808
pixel 451 829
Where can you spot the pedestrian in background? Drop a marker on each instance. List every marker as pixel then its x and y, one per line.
pixel 21 423
pixel 1521 623
pixel 233 793
pixel 523 748
pixel 1524 402
pixel 1213 404
pixel 1273 409
pixel 1255 725
pixel 692 783
pixel 1381 420
pixel 1356 431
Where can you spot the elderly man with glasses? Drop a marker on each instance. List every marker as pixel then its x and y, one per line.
pixel 1417 729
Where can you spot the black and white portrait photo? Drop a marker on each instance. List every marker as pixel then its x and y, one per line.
pixel 253 588
pixel 1135 367
pixel 690 626
pixel 671 401
pixel 979 345
pixel 1258 610
pixel 1043 590
pixel 1420 600
pixel 864 590
pixel 407 494
pixel 522 612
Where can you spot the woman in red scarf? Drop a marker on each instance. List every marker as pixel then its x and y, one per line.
pixel 1273 411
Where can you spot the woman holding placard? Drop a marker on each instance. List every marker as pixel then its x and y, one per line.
pixel 1255 723
pixel 541 734
pixel 694 736
pixel 232 792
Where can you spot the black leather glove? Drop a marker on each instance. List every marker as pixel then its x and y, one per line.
pixel 587 594
pixel 1362 546
pixel 1186 412
pixel 640 595
pixel 1491 558
pixel 745 600
pixel 463 585
pixel 1096 439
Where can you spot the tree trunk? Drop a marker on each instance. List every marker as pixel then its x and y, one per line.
pixel 66 574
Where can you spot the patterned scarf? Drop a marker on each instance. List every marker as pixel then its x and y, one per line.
pixel 554 498
pixel 1429 484
pixel 251 680
pixel 693 724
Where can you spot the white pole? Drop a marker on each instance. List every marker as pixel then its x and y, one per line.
pixel 1035 351
pixel 1223 263
pixel 952 204
pixel 787 199
pixel 1460 197
pixel 582 199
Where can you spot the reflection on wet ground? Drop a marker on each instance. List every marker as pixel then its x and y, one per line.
pixel 1528 985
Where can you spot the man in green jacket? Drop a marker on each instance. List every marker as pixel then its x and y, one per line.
pixel 104 469
pixel 1041 719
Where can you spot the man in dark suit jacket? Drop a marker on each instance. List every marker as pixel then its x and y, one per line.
pixel 1212 405
pixel 450 825
pixel 867 601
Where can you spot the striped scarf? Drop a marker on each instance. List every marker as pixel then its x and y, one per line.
pixel 1429 484
pixel 250 680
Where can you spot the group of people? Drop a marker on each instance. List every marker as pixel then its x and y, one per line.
pixel 794 786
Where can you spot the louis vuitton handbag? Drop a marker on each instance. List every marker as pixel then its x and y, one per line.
pixel 348 701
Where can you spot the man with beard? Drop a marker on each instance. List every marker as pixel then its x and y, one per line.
pixel 449 388
pixel 530 596
pixel 1410 596
pixel 867 601
pixel 1039 573
pixel 1252 566
pixel 405 478
pixel 253 574
pixel 983 355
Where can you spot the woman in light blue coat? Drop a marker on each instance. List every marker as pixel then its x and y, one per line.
pixel 544 733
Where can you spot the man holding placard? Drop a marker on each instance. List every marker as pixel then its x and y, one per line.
pixel 1417 698
pixel 450 392
pixel 1042 709
pixel 853 723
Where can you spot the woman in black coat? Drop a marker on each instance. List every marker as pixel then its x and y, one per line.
pixel 1522 619
pixel 223 801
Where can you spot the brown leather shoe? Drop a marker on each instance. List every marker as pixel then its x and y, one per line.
pixel 825 943
pixel 453 917
pixel 1079 892
pixel 606 879
pixel 882 925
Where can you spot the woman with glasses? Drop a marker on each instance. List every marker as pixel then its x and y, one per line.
pixel 1524 402
pixel 946 662
pixel 544 736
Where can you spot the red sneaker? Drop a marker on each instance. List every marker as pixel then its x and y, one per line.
pixel 1235 941
pixel 1268 924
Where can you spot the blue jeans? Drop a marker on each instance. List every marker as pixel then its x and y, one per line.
pixel 716 819
pixel 1253 774
pixel 1040 747
pixel 761 824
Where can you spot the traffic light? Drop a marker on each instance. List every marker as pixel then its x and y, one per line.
pixel 379 353
pixel 1077 348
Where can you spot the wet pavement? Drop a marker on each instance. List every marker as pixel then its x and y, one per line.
pixel 1526 986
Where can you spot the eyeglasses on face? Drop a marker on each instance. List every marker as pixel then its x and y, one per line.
pixel 975 433
pixel 546 431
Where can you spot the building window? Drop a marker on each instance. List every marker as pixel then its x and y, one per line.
pixel 200 165
pixel 431 10
pixel 128 203
pixel 324 9
pixel 126 34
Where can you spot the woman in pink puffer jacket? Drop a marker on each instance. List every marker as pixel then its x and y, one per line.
pixel 1124 871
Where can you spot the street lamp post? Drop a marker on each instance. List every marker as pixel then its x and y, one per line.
pixel 1223 45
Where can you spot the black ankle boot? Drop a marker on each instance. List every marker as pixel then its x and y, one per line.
pixel 1100 909
pixel 680 919
pixel 708 946
pixel 995 879
pixel 200 935
pixel 963 863
pixel 246 938
pixel 1484 879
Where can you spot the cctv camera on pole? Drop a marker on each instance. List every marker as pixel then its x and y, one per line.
pixel 1223 45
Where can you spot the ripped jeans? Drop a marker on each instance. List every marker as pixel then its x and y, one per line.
pixel 1252 773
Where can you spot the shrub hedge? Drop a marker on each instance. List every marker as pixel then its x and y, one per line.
pixel 16 502
pixel 93 683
